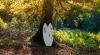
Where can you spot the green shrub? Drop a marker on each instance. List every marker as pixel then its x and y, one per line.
pixel 76 38
pixel 98 37
pixel 3 25
pixel 60 36
pixel 91 22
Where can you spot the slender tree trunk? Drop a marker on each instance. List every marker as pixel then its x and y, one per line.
pixel 47 18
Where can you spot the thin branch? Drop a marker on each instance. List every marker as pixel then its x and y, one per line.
pixel 59 2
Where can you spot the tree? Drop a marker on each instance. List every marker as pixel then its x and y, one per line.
pixel 48 8
pixel 47 18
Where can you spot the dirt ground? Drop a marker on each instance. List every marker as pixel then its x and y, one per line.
pixel 41 50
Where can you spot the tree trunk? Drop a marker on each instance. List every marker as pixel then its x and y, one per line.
pixel 47 18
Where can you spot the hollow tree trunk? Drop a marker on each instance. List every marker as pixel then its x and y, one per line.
pixel 47 18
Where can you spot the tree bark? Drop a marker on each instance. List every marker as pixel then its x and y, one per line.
pixel 47 18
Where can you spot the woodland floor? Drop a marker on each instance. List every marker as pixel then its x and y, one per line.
pixel 41 50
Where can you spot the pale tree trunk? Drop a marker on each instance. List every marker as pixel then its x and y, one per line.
pixel 47 18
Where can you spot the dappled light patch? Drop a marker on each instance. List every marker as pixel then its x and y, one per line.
pixel 77 38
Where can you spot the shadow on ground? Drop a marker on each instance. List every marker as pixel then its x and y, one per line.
pixel 37 49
